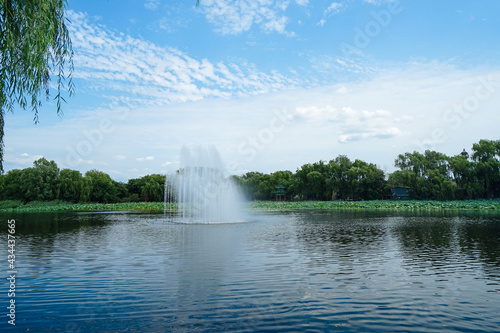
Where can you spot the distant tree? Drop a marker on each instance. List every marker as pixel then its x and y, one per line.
pixel 487 154
pixel 485 150
pixel 34 44
pixel 341 176
pixel 72 186
pixel 368 181
pixel 148 188
pixel 121 191
pixel 465 176
pixel 102 188
pixel 316 181
pixel 153 190
pixel 250 185
pixel 41 182
pixel 265 188
pixel 12 185
pixel 428 175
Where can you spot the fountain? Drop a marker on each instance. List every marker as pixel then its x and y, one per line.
pixel 200 190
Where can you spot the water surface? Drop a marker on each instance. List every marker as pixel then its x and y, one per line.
pixel 281 272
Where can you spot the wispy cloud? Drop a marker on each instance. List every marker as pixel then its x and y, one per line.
pixel 152 4
pixel 334 8
pixel 235 17
pixel 378 2
pixel 142 159
pixel 154 75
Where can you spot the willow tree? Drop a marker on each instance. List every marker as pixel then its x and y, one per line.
pixel 34 47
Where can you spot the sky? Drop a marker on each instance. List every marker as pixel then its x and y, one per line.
pixel 272 85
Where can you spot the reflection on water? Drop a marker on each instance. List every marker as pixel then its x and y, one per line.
pixel 284 272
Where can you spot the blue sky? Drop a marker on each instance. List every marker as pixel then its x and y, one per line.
pixel 272 84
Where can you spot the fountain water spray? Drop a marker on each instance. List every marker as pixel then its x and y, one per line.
pixel 200 189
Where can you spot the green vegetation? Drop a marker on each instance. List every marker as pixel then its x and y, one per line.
pixel 392 205
pixel 428 176
pixel 385 205
pixel 61 206
pixel 44 182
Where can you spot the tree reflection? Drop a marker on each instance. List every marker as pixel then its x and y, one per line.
pixel 451 244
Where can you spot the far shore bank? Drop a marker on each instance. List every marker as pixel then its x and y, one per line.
pixel 492 205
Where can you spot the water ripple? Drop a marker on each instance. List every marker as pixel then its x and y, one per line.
pixel 286 272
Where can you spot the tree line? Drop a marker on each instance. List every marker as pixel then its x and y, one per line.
pixel 429 175
pixel 45 182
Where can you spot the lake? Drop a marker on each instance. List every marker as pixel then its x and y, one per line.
pixel 301 271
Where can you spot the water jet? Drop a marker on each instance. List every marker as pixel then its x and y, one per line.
pixel 199 191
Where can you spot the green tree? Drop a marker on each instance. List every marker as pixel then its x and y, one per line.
pixel 465 176
pixel 72 186
pixel 148 188
pixel 316 181
pixel 428 175
pixel 487 154
pixel 41 182
pixel 12 185
pixel 250 184
pixel 34 44
pixel 102 188
pixel 340 177
pixel 153 189
pixel 367 180
pixel 265 188
pixel 121 191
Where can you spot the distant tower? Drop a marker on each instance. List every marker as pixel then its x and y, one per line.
pixel 465 154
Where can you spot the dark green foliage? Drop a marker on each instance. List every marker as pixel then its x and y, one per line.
pixel 133 198
pixel 340 178
pixel 72 186
pixel 10 204
pixel 433 175
pixel 103 189
pixel 12 186
pixel 41 182
pixel 258 186
pixel 148 188
pixel 121 191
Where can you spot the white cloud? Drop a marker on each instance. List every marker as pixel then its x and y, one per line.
pixel 369 134
pixel 321 22
pixel 235 17
pixel 378 2
pixel 334 8
pixel 142 159
pixel 152 4
pixel 153 75
pixel 351 124
pixel 302 2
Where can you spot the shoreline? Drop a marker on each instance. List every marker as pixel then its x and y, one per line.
pixel 490 205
